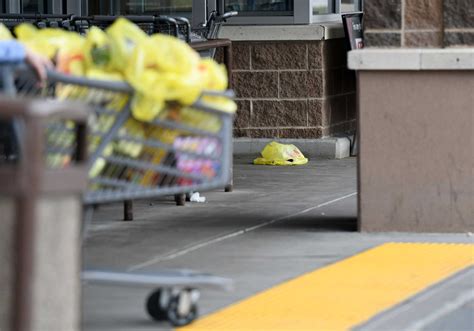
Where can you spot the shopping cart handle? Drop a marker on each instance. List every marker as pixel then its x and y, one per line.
pixel 225 16
pixel 162 278
pixel 117 86
pixel 228 14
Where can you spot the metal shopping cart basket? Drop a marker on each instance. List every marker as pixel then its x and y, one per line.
pixel 38 20
pixel 184 149
pixel 179 27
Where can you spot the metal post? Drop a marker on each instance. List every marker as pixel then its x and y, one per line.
pixel 12 6
pixel 74 7
pixel 128 210
pixel 199 13
pixel 303 12
pixel 57 7
pixel 228 63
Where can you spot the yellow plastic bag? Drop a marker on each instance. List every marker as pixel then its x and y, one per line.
pixel 146 108
pixel 97 50
pixel 48 42
pixel 25 31
pixel 71 63
pixel 173 55
pixel 281 154
pixel 163 55
pixel 161 69
pixel 5 34
pixel 214 75
pixel 124 36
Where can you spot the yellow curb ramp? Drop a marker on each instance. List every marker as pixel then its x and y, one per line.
pixel 345 294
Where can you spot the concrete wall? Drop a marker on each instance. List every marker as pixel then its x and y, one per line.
pixel 416 151
pixel 55 296
pixel 419 23
pixel 56 286
pixel 7 221
pixel 293 89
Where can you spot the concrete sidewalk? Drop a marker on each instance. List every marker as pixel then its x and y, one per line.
pixel 279 223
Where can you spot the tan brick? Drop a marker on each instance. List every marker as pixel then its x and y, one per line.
pixel 262 133
pixel 459 38
pixel 336 129
pixel 327 112
pixel 423 14
pixel 255 84
pixel 242 117
pixel 219 56
pixel 333 81
pixel 376 39
pixel 240 133
pixel 424 39
pixel 318 112
pixel 382 14
pixel 458 14
pixel 300 133
pixel 241 55
pixel 279 113
pixel 281 55
pixel 315 55
pixel 301 84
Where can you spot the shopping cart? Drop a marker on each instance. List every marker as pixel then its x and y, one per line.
pixel 38 20
pixel 210 29
pixel 176 26
pixel 184 149
pixel 150 24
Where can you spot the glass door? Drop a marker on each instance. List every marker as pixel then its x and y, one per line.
pixel 141 7
pixel 260 7
pixel 34 7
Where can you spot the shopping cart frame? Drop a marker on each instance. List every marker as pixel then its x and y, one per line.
pixel 175 295
pixel 224 135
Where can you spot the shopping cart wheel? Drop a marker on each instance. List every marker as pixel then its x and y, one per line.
pixel 157 305
pixel 182 308
pixel 180 199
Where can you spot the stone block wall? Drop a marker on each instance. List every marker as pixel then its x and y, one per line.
pixel 419 23
pixel 293 89
pixel 458 22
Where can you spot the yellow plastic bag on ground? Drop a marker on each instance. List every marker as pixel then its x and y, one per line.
pixel 280 154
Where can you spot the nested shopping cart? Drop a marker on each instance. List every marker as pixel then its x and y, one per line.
pixel 38 20
pixel 176 26
pixel 186 148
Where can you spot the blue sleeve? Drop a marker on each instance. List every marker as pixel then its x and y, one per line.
pixel 11 51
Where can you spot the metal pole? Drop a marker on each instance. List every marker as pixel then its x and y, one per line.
pixel 12 6
pixel 199 12
pixel 74 7
pixel 56 7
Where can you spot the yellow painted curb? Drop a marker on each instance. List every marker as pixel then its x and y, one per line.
pixel 344 294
